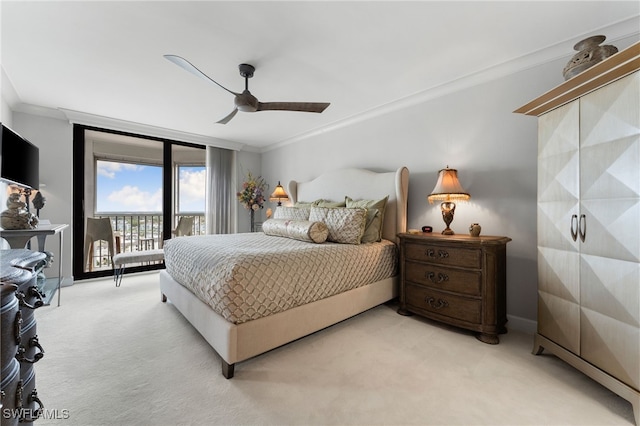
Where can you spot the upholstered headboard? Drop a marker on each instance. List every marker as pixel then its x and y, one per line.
pixel 361 184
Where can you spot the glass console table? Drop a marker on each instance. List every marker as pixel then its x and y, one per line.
pixel 18 239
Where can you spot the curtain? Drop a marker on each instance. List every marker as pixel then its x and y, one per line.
pixel 220 205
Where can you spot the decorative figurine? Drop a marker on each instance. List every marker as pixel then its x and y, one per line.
pixel 589 53
pixel 16 216
pixel 38 202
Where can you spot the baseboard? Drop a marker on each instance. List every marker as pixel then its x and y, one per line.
pixel 522 324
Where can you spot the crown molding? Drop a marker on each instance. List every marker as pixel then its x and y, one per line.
pixel 77 117
pixel 564 49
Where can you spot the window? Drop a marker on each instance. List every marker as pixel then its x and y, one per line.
pixel 191 189
pixel 189 182
pixel 128 187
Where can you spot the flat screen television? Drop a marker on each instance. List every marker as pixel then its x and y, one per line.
pixel 20 161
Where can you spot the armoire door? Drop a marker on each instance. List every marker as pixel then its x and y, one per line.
pixel 610 227
pixel 558 214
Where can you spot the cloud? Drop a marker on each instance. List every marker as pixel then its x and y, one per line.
pixel 132 199
pixel 109 169
pixel 192 185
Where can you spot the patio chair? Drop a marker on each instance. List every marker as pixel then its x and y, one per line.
pixel 98 229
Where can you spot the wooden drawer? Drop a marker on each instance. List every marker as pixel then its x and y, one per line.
pixel 430 300
pixel 454 280
pixel 453 256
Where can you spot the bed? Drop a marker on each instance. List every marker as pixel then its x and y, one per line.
pixel 238 334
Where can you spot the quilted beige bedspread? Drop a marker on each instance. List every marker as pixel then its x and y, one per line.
pixel 247 276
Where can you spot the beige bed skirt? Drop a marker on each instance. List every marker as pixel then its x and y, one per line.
pixel 235 343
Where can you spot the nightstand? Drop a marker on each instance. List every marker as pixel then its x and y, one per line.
pixel 456 279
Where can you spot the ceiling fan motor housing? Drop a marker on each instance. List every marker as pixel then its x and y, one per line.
pixel 246 102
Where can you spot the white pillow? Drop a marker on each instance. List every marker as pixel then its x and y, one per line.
pixel 303 230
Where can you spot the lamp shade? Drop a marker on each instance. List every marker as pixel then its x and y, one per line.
pixel 279 194
pixel 448 187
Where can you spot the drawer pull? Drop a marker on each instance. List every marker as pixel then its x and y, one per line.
pixel 33 342
pixel 17 327
pixel 441 303
pixel 431 276
pixel 35 415
pixel 19 395
pixel 29 415
pixel 33 292
pixel 442 254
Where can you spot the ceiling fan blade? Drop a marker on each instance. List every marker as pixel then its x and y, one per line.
pixel 293 106
pixel 228 117
pixel 188 66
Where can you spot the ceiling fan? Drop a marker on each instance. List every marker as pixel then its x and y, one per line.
pixel 245 101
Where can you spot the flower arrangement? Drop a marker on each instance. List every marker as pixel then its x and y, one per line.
pixel 252 194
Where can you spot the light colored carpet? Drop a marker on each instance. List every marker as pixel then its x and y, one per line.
pixel 120 356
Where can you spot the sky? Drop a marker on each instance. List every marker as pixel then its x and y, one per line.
pixel 125 187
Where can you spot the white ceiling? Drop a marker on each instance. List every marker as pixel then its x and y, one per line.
pixel 106 58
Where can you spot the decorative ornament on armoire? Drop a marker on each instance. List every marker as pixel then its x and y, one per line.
pixel 474 230
pixel 589 53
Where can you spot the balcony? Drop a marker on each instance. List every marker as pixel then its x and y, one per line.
pixel 136 232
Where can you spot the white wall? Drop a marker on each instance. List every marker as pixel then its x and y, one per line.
pixel 246 162
pixel 6 115
pixel 474 131
pixel 53 137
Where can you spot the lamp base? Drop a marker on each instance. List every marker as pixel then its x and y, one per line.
pixel 448 209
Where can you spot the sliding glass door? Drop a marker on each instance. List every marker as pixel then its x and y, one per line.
pixel 129 193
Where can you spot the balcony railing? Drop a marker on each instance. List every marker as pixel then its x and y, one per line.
pixel 136 232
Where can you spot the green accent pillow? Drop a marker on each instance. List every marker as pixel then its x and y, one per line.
pixel 320 203
pixel 328 203
pixel 375 217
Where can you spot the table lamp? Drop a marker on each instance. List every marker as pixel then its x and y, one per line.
pixel 279 194
pixel 447 189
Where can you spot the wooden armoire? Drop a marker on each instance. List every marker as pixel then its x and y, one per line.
pixel 589 222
